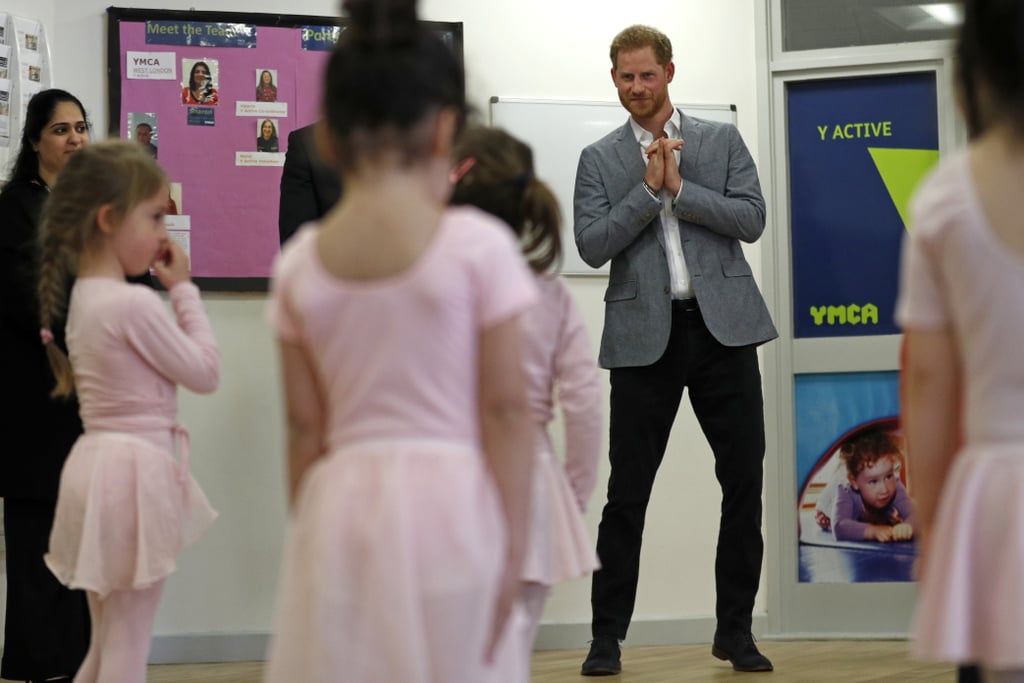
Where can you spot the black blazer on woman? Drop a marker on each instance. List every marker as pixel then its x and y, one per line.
pixel 37 431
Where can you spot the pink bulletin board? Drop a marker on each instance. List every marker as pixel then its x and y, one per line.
pixel 225 192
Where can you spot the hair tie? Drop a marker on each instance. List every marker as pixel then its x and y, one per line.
pixel 523 179
pixel 45 335
pixel 456 174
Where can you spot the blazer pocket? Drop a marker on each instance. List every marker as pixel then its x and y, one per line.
pixel 736 267
pixel 620 291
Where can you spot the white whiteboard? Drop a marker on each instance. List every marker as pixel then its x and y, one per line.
pixel 558 130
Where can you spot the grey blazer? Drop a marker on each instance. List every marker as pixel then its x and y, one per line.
pixel 617 219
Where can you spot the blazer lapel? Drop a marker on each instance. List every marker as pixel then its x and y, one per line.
pixel 628 151
pixel 692 133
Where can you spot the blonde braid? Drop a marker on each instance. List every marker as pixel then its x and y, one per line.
pixel 54 273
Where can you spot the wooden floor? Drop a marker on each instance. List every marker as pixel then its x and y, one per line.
pixel 834 661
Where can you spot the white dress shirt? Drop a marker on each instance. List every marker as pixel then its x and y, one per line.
pixel 679 275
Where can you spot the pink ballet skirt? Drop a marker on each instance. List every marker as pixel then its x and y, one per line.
pixel 559 546
pixel 970 604
pixel 125 509
pixel 386 537
pixel 558 360
pixel 960 276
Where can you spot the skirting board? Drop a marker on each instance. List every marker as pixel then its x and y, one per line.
pixel 641 633
pixel 209 648
pixel 248 647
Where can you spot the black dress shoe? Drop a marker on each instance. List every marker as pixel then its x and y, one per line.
pixel 739 648
pixel 604 658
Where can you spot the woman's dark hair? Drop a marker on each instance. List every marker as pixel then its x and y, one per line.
pixel 40 112
pixel 501 182
pixel 386 74
pixel 273 128
pixel 266 71
pixel 192 74
pixel 990 55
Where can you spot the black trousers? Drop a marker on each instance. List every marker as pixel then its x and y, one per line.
pixel 968 674
pixel 46 629
pixel 724 385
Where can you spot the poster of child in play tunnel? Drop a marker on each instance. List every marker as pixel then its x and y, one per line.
pixel 855 510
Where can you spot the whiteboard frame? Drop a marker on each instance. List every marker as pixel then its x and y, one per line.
pixel 572 264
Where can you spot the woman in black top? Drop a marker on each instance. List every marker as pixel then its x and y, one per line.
pixel 47 626
pixel 267 141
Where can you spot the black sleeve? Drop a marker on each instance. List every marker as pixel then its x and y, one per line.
pixel 144 279
pixel 298 196
pixel 19 215
pixel 38 431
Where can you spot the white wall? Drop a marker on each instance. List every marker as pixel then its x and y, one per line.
pixel 43 11
pixel 530 48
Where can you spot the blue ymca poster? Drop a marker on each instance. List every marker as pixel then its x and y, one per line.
pixel 857 149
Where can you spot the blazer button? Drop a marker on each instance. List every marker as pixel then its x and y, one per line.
pixel 668 290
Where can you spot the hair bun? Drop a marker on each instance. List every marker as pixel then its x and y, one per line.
pixel 382 23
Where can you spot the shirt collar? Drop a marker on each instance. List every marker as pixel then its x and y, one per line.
pixel 673 126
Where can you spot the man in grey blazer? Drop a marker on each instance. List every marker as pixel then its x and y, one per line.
pixel 667 199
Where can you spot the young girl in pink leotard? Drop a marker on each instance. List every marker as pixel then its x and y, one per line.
pixel 494 171
pixel 126 505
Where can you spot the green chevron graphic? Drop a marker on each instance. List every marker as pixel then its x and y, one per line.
pixel 901 171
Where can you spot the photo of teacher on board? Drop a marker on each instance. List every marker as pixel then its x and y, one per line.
pixel 200 88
